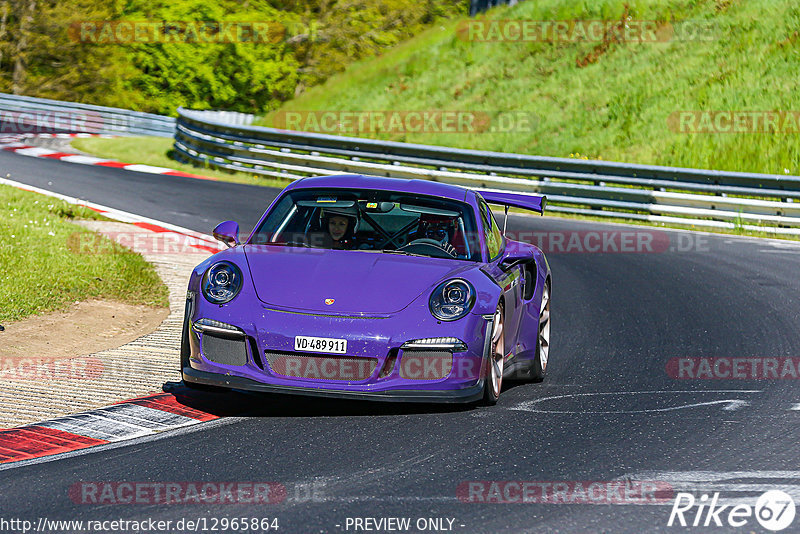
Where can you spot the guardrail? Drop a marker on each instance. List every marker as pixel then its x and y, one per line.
pixel 28 115
pixel 479 6
pixel 696 197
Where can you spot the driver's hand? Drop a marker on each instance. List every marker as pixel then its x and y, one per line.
pixel 450 249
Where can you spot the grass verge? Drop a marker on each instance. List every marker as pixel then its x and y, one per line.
pixel 41 273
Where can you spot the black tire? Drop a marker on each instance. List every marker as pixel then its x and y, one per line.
pixel 539 368
pixel 493 385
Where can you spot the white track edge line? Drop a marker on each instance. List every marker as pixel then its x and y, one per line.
pixel 111 213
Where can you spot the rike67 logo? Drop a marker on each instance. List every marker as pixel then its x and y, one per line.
pixel 774 510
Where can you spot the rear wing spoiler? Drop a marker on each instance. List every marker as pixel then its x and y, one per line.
pixel 535 203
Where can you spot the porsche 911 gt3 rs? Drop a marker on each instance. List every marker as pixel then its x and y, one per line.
pixel 372 288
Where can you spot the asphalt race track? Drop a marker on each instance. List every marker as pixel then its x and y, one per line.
pixel 609 411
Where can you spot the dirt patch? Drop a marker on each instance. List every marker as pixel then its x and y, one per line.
pixel 85 328
pixel 610 36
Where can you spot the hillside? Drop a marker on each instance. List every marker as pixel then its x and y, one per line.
pixel 608 98
pixel 156 55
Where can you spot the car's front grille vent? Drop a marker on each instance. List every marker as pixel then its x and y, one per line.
pixel 224 350
pixel 320 366
pixel 257 359
pixel 388 365
pixel 426 364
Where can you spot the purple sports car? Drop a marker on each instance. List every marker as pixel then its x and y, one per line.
pixel 371 288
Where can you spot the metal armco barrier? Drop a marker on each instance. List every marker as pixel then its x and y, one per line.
pixel 28 115
pixel 697 197
pixel 479 6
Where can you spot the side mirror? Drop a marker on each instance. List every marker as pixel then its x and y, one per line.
pixel 227 232
pixel 512 258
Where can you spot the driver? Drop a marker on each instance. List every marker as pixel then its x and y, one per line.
pixel 439 229
pixel 339 226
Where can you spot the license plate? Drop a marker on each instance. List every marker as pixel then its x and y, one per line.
pixel 320 344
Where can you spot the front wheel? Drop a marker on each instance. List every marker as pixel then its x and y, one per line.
pixel 543 340
pixel 495 361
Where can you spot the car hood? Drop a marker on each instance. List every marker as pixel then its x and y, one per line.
pixel 358 282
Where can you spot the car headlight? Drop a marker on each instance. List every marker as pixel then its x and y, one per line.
pixel 222 282
pixel 452 300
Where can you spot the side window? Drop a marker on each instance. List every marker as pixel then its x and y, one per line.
pixel 491 232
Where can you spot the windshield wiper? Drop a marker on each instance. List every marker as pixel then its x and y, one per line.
pixel 403 253
pixel 288 244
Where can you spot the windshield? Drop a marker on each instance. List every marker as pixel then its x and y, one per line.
pixel 367 220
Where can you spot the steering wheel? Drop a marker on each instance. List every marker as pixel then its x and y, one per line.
pixel 431 247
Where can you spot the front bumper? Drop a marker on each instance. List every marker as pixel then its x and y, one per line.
pixel 471 394
pixel 394 373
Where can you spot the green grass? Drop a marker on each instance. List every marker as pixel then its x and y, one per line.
pixel 156 151
pixel 616 107
pixel 40 270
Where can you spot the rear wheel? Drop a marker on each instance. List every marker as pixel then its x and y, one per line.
pixel 495 359
pixel 543 341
